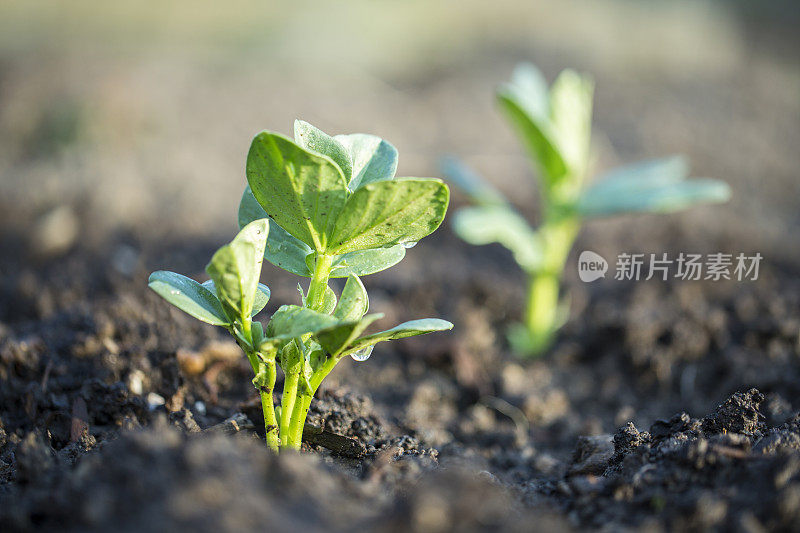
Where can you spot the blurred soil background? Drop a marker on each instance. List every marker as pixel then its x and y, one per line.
pixel 123 134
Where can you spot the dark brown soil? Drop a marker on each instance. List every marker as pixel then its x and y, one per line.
pixel 105 392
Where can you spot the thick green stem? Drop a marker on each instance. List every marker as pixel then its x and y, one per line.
pixel 299 413
pixel 287 405
pixel 265 381
pixel 298 419
pixel 542 309
pixel 542 314
pixel 319 282
pixel 322 372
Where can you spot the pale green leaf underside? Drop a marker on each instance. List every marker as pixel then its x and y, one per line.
pixel 302 191
pixel 282 250
pixel 473 185
pixel 364 262
pixel 388 213
pixel 406 329
pixel 315 140
pixel 259 302
pixel 236 267
pixel 290 254
pixel 488 224
pixel 189 296
pixel 641 175
pixel 659 198
pixel 571 118
pixel 530 89
pixel 373 158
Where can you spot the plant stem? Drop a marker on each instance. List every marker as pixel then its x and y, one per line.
pixel 266 386
pixel 287 405
pixel 301 406
pixel 319 281
pixel 322 372
pixel 542 316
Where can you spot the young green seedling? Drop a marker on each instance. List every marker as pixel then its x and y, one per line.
pixel 555 127
pixel 320 207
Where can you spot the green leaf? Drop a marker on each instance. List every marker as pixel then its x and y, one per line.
pixel 530 90
pixel 521 101
pixel 487 224
pixel 291 358
pixel 354 302
pixel 290 254
pixel 236 267
pixel 387 213
pixel 328 301
pixel 571 119
pixel 260 301
pixel 373 158
pixel 334 340
pixel 364 262
pixel 658 198
pixel 406 329
pixel 316 140
pixel 291 321
pixel 478 189
pixel 283 250
pixel 257 333
pixel 189 296
pixel 302 191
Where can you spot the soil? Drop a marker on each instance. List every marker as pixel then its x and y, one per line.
pixel 663 406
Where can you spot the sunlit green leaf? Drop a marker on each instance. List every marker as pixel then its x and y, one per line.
pixel 525 107
pixel 487 224
pixel 302 191
pixel 291 321
pixel 316 140
pixel 235 269
pixel 387 213
pixel 334 340
pixel 189 296
pixel 373 158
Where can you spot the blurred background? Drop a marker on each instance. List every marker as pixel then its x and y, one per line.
pixel 134 118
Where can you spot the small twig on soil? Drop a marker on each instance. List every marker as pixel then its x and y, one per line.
pixel 80 420
pixel 46 376
pixel 235 424
pixel 210 379
pixel 345 446
pixel 509 410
